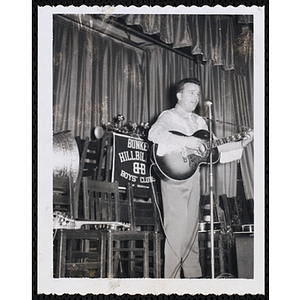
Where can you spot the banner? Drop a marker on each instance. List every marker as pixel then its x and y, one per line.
pixel 131 161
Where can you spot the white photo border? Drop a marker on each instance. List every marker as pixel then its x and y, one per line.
pixel 46 284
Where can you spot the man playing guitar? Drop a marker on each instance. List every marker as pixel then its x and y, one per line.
pixel 181 197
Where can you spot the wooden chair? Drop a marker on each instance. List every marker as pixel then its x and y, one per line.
pixel 105 160
pixel 136 253
pixel 63 188
pixel 88 167
pixel 81 250
pixel 78 259
pixel 63 203
pixel 89 153
pixel 70 242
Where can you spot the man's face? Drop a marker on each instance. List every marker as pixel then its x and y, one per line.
pixel 189 97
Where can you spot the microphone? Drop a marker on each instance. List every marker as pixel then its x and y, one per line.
pixel 208 103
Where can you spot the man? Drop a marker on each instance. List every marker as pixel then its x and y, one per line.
pixel 181 199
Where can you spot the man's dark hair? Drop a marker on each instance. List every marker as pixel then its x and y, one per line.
pixel 181 83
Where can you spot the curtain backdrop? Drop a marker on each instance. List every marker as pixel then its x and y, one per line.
pixel 231 95
pixel 96 77
pixel 214 37
pixel 165 69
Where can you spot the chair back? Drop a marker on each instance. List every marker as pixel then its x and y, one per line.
pixel 88 165
pixel 101 200
pixel 89 156
pixel 63 195
pixel 143 210
pixel 105 160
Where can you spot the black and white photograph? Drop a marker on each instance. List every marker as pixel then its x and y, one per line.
pixel 151 150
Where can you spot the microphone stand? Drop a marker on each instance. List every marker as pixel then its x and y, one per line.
pixel 212 256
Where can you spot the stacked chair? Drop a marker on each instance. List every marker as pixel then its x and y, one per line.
pixel 112 233
pixel 81 248
pixel 136 252
pixel 63 188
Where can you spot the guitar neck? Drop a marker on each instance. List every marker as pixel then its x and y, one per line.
pixel 232 138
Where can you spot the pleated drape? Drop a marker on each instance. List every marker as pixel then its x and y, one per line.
pixel 172 29
pixel 165 69
pixel 242 87
pixel 211 36
pixel 95 78
pixel 231 95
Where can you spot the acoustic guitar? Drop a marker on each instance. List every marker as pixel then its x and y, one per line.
pixel 181 165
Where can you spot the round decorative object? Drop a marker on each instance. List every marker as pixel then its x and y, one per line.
pixel 98 132
pixel 65 154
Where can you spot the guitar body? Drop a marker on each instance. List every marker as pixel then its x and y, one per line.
pixel 178 167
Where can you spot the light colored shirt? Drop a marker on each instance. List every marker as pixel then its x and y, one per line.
pixel 177 119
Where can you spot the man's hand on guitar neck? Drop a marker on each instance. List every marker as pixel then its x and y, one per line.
pixel 249 136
